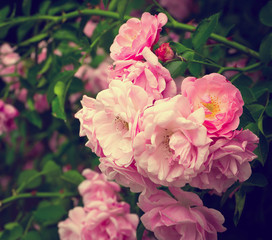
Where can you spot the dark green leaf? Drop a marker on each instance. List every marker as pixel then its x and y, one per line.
pixel 49 214
pixel 29 179
pixel 26 7
pixel 33 117
pixel 73 176
pixel 256 110
pixel 67 32
pixel 121 8
pixel 32 74
pixel 268 109
pixel 253 127
pixel 62 6
pixel 4 11
pixel 266 49
pixel 140 231
pixel 204 30
pixel 262 149
pixel 24 29
pixel 13 231
pixel 44 6
pixel 240 198
pixel 248 95
pixel 32 235
pixel 266 14
pixel 105 2
pixel 256 179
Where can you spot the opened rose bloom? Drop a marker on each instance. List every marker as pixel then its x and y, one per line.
pixel 180 218
pixel 172 144
pixel 221 100
pixel 150 75
pixel 110 120
pixel 97 187
pixel 137 34
pixel 229 161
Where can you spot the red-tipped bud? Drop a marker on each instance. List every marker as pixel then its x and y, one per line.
pixel 164 52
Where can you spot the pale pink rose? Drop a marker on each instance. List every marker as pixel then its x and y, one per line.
pixel 97 187
pixel 89 28
pixel 7 115
pixel 180 9
pixel 221 100
pixel 172 146
pixel 40 102
pixel 135 35
pixel 109 220
pixel 229 161
pixel 110 120
pixel 126 176
pixel 150 75
pixel 70 229
pixel 165 52
pixel 183 217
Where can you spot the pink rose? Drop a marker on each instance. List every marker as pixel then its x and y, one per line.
pixel 222 102
pixel 183 217
pixel 126 176
pixel 110 120
pixel 165 52
pixel 229 161
pixel 96 187
pixel 172 146
pixel 135 35
pixel 109 220
pixel 70 229
pixel 150 75
pixel 89 28
pixel 7 115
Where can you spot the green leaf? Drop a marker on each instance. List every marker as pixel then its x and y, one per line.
pixel 105 2
pixel 262 149
pixel 204 30
pixel 29 179
pixel 34 39
pixel 51 168
pixel 32 235
pixel 26 7
pixel 46 65
pixel 24 29
pixel 73 176
pixel 32 74
pixel 176 68
pixel 179 48
pixel 13 231
pixel 62 6
pixel 140 231
pixel 57 109
pixel 248 95
pixel 121 8
pixel 49 214
pixel 266 49
pixel 256 179
pixel 44 6
pixel 67 32
pixel 4 11
pixel 240 198
pixel 33 117
pixel 268 109
pixel 256 110
pixel 265 14
pixel 253 127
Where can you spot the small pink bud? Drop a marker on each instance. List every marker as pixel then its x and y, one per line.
pixel 164 52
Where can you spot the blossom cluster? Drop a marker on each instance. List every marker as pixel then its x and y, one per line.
pixel 148 135
pixel 103 216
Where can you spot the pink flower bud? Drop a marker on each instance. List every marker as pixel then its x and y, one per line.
pixel 164 52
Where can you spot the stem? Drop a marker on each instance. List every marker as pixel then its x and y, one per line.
pixel 245 69
pixel 114 15
pixel 38 195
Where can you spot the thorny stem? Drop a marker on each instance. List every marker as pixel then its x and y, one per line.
pixel 103 13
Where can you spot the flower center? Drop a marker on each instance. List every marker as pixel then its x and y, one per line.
pixel 120 124
pixel 212 107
